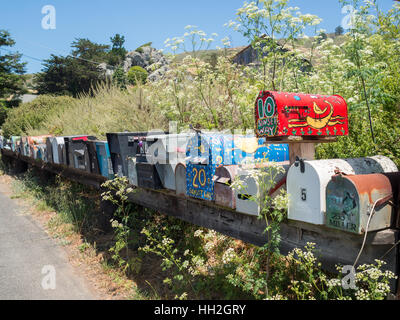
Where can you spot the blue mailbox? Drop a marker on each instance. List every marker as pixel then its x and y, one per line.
pixel 15 143
pixel 246 149
pixel 204 153
pixel 104 159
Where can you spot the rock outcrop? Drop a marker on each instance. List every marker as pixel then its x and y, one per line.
pixel 153 60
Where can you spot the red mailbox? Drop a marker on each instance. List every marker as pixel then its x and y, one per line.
pixel 282 114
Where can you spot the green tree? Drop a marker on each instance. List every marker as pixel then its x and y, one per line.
pixel 117 54
pixel 339 31
pixel 119 78
pixel 11 68
pixel 76 73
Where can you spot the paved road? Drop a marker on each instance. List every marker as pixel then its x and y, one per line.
pixel 25 251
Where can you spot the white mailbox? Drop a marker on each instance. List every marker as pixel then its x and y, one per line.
pixel 245 198
pixel 132 172
pixel 166 153
pixel 307 181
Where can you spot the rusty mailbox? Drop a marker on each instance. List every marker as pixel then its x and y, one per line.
pixel 33 143
pixel 223 178
pixel 307 182
pixel 357 202
pixel 283 114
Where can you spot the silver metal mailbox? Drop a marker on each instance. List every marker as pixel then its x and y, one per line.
pixel 132 172
pixel 180 179
pixel 253 190
pixel 307 181
pixel 166 153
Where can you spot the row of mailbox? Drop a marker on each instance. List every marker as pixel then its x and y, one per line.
pixel 338 193
pixel 198 165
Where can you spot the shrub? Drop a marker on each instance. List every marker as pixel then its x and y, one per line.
pixel 140 49
pixel 3 112
pixel 136 74
pixel 33 114
pixel 359 142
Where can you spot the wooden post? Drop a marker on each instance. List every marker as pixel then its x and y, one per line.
pixel 302 150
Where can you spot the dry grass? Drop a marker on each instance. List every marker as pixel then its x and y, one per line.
pixel 109 110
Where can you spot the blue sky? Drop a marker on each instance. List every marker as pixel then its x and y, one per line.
pixel 139 21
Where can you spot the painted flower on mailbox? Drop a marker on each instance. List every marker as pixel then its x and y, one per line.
pixel 297 114
pixel 204 153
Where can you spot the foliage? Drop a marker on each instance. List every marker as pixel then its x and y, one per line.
pixel 216 94
pixel 32 115
pixel 3 112
pixel 75 203
pixel 11 68
pixel 262 23
pixel 359 142
pixel 309 282
pixel 119 78
pixel 117 53
pixel 339 31
pixel 109 110
pixel 136 74
pixel 117 192
pixel 76 73
pixel 140 49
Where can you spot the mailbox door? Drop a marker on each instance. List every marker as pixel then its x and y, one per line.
pixel 200 182
pixel 123 145
pixel 67 155
pixel 204 154
pixel 246 198
pixel 148 176
pixel 132 172
pixel 224 194
pixel 58 150
pixel 49 149
pixel 180 179
pixel 78 155
pixel 92 154
pixel 166 173
pixel 349 200
pixel 305 194
pixel 104 159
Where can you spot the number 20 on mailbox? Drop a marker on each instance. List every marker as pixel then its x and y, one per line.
pixel 204 153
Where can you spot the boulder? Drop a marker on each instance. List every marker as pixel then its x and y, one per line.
pixel 151 59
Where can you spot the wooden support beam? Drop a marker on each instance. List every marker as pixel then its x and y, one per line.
pixel 302 150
